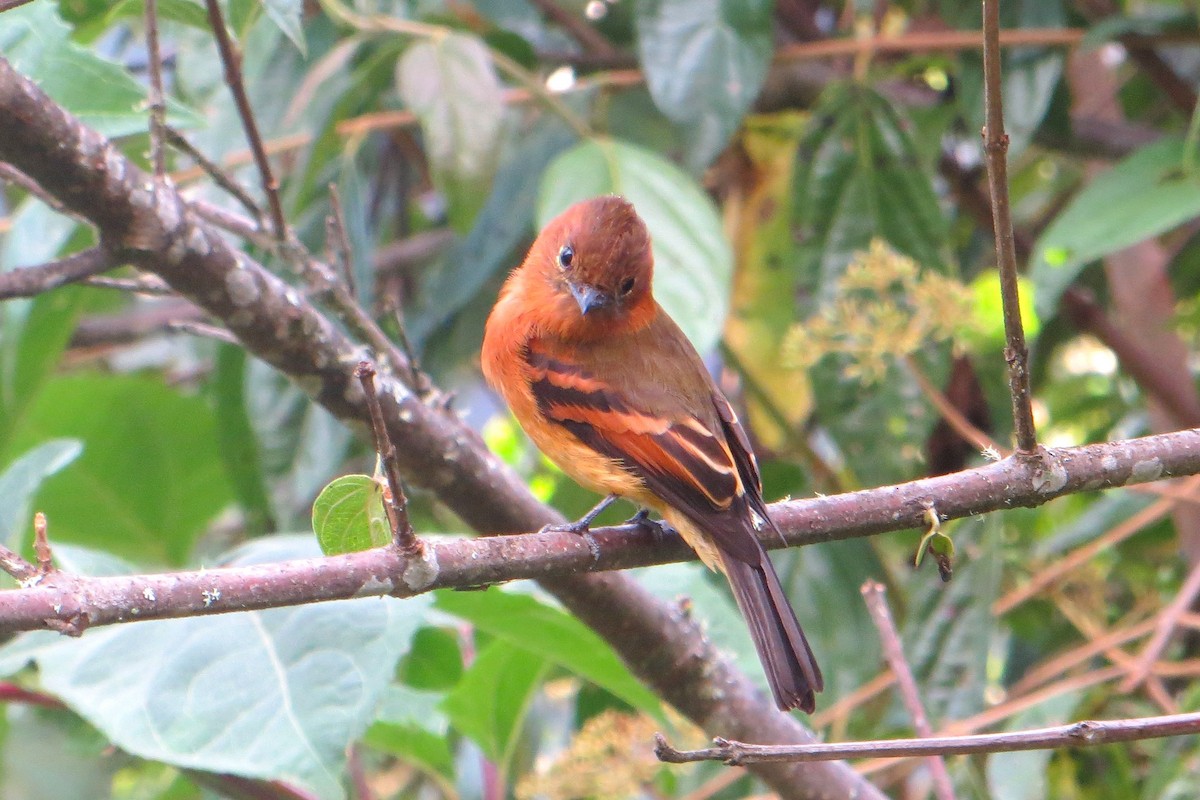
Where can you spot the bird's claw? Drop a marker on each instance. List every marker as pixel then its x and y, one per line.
pixel 579 527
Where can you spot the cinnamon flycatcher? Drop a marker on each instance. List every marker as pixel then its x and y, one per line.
pixel 606 384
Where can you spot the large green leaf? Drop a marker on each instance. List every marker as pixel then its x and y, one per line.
pixel 275 694
pixel 101 93
pixel 553 635
pixel 52 756
pixel 693 261
pixel 705 61
pixel 489 705
pixel 858 178
pixel 411 726
pixel 149 480
pixel 1144 195
pixel 450 83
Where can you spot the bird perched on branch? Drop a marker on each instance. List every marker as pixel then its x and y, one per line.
pixel 606 384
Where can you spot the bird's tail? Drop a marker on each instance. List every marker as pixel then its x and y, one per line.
pixel 792 671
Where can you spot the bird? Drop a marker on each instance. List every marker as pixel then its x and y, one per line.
pixel 606 384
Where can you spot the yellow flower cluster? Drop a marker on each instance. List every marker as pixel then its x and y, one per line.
pixel 887 307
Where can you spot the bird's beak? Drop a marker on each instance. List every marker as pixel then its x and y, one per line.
pixel 589 298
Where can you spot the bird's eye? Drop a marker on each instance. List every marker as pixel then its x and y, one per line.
pixel 627 286
pixel 565 256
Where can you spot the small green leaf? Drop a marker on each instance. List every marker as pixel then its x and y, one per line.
pixel 705 61
pixel 1144 195
pixel 348 515
pixel 693 261
pixel 185 12
pixel 490 702
pixel 553 635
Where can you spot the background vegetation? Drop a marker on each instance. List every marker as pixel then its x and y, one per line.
pixel 812 175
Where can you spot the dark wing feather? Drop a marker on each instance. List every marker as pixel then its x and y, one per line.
pixel 684 461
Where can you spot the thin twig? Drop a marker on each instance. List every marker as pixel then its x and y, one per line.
pixel 15 565
pixel 143 284
pixel 41 545
pixel 32 281
pixel 1168 621
pixel 337 241
pixel 403 536
pixel 202 330
pixel 875 596
pixel 232 62
pixel 214 171
pixel 995 146
pixel 158 108
pixel 1078 734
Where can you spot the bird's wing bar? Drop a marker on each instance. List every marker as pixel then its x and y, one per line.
pixel 682 461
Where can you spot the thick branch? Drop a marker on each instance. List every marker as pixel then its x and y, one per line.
pixel 155 229
pixel 556 556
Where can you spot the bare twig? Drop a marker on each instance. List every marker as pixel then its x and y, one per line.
pixel 12 693
pixel 16 566
pixel 158 107
pixel 202 330
pixel 403 536
pixel 1168 621
pixel 214 171
pixel 41 545
pixel 1078 734
pixel 995 145
pixel 32 281
pixel 875 596
pixel 337 241
pixel 232 62
pixel 143 284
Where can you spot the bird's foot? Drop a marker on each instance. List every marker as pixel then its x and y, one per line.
pixel 582 525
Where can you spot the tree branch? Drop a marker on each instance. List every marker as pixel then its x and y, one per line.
pixel 1078 734
pixel 32 281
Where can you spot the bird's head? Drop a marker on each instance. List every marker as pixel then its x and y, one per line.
pixel 595 260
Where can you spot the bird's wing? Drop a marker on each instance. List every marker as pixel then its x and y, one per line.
pixel 686 459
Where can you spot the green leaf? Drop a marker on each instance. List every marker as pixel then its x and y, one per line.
pixel 490 703
pixel 101 93
pixel 20 481
pixel 287 14
pixel 1144 195
pixel 705 62
pixel 348 515
pixel 1022 775
pixel 552 635
pixel 51 755
pixel 858 178
pixel 450 83
pixel 149 480
pixel 693 261
pixel 275 694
